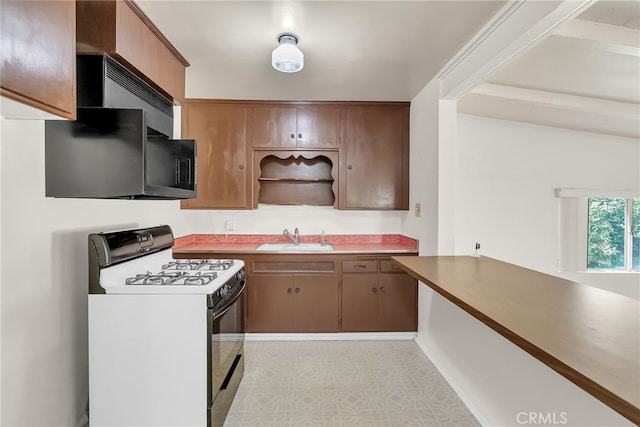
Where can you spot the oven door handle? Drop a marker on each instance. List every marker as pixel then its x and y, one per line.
pixel 228 301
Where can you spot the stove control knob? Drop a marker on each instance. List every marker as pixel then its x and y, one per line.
pixel 224 290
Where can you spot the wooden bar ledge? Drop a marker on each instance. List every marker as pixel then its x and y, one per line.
pixel 588 335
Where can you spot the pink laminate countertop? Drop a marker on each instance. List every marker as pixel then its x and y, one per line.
pixel 249 243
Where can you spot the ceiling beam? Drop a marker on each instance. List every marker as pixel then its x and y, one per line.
pixel 581 104
pixel 600 32
pixel 519 25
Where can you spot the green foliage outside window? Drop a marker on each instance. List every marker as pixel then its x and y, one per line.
pixel 635 235
pixel 606 235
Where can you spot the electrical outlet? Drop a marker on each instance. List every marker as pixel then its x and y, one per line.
pixel 229 225
pixel 418 209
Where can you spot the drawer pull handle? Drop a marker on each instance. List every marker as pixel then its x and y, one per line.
pixel 360 266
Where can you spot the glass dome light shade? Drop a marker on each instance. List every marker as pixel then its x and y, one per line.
pixel 287 57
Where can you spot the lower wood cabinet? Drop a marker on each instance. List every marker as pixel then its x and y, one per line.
pixel 292 303
pixel 306 293
pixel 378 301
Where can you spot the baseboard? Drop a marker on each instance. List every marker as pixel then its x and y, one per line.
pixel 465 399
pixel 339 336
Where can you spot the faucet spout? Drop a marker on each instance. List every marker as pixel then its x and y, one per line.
pixel 295 237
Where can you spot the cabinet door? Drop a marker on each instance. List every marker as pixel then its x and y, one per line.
pixel 315 307
pixel 38 55
pixel 359 302
pixel 273 126
pixel 377 158
pixel 220 132
pixel 398 302
pixel 270 299
pixel 122 29
pixel 318 126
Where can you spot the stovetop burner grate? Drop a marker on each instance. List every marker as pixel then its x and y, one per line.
pixel 166 278
pixel 199 264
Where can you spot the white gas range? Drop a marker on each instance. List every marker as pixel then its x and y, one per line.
pixel 165 335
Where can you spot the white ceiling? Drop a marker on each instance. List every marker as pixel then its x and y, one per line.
pixel 357 50
pixel 585 76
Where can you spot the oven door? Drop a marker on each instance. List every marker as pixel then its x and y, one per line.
pixel 226 352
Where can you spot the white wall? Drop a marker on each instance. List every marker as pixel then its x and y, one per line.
pixel 504 194
pixel 492 160
pixel 44 305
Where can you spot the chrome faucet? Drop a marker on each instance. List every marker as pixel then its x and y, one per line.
pixel 295 237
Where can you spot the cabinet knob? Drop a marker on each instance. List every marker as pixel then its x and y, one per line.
pixel 288 290
pixel 293 135
pixel 374 290
pixel 241 167
pixel 299 135
pixel 297 290
pixel 381 288
pixel 349 167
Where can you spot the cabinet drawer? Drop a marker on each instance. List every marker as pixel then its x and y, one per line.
pixel 293 266
pixel 359 266
pixel 390 266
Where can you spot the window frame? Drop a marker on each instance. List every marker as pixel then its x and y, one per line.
pixel 573 228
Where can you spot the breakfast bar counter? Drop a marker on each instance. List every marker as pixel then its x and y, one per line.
pixel 588 335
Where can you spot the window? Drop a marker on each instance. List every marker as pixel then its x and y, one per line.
pixel 598 230
pixel 613 239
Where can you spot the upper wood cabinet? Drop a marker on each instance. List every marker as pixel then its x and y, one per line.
pixel 122 30
pixel 295 126
pixel 375 165
pixel 38 55
pixel 349 155
pixel 221 174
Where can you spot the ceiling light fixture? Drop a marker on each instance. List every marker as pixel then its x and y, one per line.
pixel 287 57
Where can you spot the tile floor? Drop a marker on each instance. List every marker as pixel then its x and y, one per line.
pixel 343 383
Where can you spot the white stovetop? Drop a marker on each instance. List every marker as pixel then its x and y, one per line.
pixel 112 279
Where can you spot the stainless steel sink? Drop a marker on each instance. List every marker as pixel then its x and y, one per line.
pixel 290 247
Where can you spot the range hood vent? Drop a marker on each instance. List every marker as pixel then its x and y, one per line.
pixel 104 83
pixel 119 75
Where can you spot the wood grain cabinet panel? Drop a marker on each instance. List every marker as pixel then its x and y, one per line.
pixel 270 303
pixel 221 174
pixel 359 302
pixel 38 65
pixel 315 303
pixel 377 301
pixel 318 126
pixel 122 30
pixel 292 303
pixel 398 302
pixel 290 126
pixel 377 157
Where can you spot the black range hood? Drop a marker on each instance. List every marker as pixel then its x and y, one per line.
pixel 120 146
